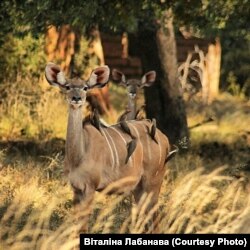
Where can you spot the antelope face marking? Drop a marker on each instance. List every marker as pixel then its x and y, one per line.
pixel 132 88
pixel 133 85
pixel 76 88
pixel 76 92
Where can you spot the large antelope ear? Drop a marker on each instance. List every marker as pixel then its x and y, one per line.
pixel 54 75
pixel 148 79
pixel 118 77
pixel 99 77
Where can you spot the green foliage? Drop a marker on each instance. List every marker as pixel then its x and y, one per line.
pixel 235 58
pixel 7 11
pixel 28 110
pixel 21 57
pixel 233 87
pixel 212 18
pixel 224 18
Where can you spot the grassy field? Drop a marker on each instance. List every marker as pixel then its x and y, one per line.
pixel 205 190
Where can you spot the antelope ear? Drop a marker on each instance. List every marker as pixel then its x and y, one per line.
pixel 118 77
pixel 148 79
pixel 54 75
pixel 99 77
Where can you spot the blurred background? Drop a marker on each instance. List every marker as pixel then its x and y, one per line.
pixel 197 49
pixel 200 51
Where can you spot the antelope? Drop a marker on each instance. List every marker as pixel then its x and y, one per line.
pixel 132 86
pixel 95 160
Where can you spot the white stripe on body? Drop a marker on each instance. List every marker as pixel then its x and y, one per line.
pixel 159 144
pixel 148 142
pixel 116 153
pixel 119 134
pixel 111 151
pixel 138 137
pixel 130 158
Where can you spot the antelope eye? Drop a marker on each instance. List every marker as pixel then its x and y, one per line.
pixel 67 87
pixel 85 88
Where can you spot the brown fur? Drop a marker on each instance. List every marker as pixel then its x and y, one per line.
pixel 94 160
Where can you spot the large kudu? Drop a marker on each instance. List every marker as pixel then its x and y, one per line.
pixel 95 158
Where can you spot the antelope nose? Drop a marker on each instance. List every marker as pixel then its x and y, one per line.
pixel 76 98
pixel 132 95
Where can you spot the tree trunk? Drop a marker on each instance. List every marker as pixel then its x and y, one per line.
pixel 164 99
pixel 51 43
pixel 95 49
pixel 213 60
pixel 59 46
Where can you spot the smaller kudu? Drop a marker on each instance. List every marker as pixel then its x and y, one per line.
pixel 96 157
pixel 133 85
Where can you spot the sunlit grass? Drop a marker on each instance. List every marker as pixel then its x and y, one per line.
pixel 37 212
pixel 205 190
pixel 32 111
pixel 230 114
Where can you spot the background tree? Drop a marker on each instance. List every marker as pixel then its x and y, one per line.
pixel 226 20
pixel 155 24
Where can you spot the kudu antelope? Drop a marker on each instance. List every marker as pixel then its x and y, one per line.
pixel 96 157
pixel 132 86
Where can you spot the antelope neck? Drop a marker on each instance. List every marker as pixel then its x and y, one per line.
pixel 74 139
pixel 132 107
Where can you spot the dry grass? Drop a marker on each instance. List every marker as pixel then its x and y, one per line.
pixel 37 213
pixel 31 111
pixel 197 196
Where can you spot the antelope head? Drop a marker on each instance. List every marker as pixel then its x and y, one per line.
pixel 76 89
pixel 132 86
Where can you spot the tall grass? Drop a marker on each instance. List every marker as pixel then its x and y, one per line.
pixel 37 213
pixel 197 196
pixel 31 110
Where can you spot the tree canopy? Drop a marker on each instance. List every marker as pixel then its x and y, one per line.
pixel 224 18
pixel 209 17
pixel 38 15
